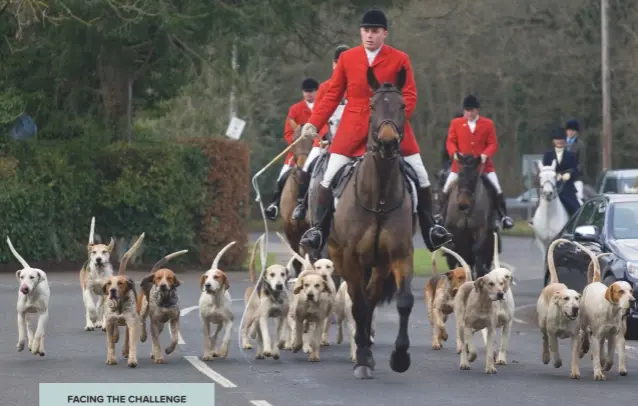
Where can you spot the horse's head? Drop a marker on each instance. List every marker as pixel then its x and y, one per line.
pixel 301 150
pixel 547 180
pixel 468 179
pixel 387 116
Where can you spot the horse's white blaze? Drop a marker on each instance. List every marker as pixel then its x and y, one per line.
pixel 551 215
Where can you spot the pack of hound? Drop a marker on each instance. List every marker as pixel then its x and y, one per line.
pixel 302 307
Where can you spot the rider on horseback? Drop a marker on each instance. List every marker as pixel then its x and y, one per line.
pixel 299 113
pixel 304 176
pixel 446 162
pixel 474 135
pixel 566 172
pixel 350 75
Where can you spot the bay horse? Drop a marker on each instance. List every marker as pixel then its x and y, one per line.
pixel 470 217
pixel 370 239
pixel 294 229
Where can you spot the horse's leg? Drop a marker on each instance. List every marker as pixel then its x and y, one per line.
pixel 400 358
pixel 360 311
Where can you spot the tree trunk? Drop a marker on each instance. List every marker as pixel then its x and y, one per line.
pixel 114 72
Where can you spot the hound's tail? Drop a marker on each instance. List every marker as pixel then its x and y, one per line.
pixel 468 271
pixel 15 254
pixel 497 263
pixel 167 258
pixel 591 275
pixel 551 266
pixel 92 232
pixel 129 254
pixel 435 270
pixel 251 266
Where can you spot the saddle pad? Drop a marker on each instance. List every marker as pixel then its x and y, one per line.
pixel 345 174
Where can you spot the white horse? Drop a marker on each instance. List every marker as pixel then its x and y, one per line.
pixel 551 215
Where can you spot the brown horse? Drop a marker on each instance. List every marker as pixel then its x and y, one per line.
pixel 294 229
pixel 470 217
pixel 370 240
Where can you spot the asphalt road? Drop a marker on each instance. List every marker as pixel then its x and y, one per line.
pixel 73 355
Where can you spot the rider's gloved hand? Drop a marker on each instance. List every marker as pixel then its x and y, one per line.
pixel 309 131
pixel 483 158
pixel 559 176
pixel 455 156
pixel 566 176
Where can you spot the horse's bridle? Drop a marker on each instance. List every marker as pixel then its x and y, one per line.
pixel 471 191
pixel 555 187
pixel 375 133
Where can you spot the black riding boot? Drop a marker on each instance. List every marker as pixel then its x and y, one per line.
pixel 433 234
pixel 272 210
pixel 302 197
pixel 506 221
pixel 439 218
pixel 314 238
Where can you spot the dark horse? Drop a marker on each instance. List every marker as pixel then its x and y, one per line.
pixel 370 240
pixel 470 217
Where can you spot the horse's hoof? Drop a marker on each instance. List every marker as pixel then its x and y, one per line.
pixel 400 361
pixel 362 372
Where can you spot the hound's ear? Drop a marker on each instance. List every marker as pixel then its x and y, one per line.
pixel 202 280
pixel 104 287
pixel 41 276
pixel 111 245
pixel 449 275
pixel 147 284
pixel 326 287
pixel 225 278
pixel 479 283
pixel 556 297
pixel 177 283
pixel 130 285
pixel 609 294
pixel 18 274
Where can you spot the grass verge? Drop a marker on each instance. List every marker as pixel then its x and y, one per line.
pixel 270 259
pixel 521 229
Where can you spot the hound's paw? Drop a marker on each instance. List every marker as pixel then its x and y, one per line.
pixel 222 352
pixel 459 348
pixel 98 325
pixel 247 347
pixel 313 358
pixel 623 372
pixel 501 361
pixel 436 346
pixel 490 370
pixel 545 358
pixel 268 354
pixel 599 376
pixel 306 348
pixel 281 344
pixel 124 352
pixel 325 343
pixel 465 367
pixel 143 336
pixel 89 327
pixel 159 360
pixel 558 363
pixel 170 348
pixel 111 361
pixel 132 364
pixel 443 336
pixel 574 375
pixel 296 347
pixel 276 355
pixel 260 356
pixel 472 357
pixel 20 346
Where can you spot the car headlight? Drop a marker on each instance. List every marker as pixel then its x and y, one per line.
pixel 632 269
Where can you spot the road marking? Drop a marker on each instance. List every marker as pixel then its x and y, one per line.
pixel 209 372
pixel 527 306
pixel 260 403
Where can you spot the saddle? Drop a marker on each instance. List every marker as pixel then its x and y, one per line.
pixel 344 175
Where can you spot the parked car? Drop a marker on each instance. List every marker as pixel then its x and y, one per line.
pixel 605 223
pixel 618 181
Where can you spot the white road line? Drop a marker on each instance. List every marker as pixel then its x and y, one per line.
pixel 209 372
pixel 527 306
pixel 260 403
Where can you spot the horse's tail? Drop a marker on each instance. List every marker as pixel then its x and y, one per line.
pixel 497 263
pixel 468 271
pixel 553 276
pixel 590 269
pixel 251 266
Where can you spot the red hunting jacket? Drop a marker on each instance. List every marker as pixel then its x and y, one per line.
pixel 350 76
pixel 483 141
pixel 299 113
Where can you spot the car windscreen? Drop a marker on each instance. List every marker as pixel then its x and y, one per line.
pixel 626 184
pixel 624 224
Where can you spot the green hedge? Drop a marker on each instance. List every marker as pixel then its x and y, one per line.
pixel 152 187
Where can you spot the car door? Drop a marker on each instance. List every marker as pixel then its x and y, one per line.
pixel 580 260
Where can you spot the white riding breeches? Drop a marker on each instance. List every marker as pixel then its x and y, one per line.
pixel 416 162
pixel 314 153
pixel 336 162
pixel 491 176
pixel 579 189
pixel 284 169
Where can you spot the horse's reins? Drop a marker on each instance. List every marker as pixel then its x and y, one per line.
pixel 473 190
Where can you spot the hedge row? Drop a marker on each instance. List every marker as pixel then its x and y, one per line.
pixel 179 194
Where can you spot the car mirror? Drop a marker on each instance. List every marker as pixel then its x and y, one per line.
pixel 586 233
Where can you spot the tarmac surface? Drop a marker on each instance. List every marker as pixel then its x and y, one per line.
pixel 76 356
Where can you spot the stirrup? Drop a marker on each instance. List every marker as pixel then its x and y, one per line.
pixel 313 229
pixel 447 239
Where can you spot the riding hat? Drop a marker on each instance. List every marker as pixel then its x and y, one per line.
pixel 374 17
pixel 558 135
pixel 572 125
pixel 309 84
pixel 340 49
pixel 471 102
